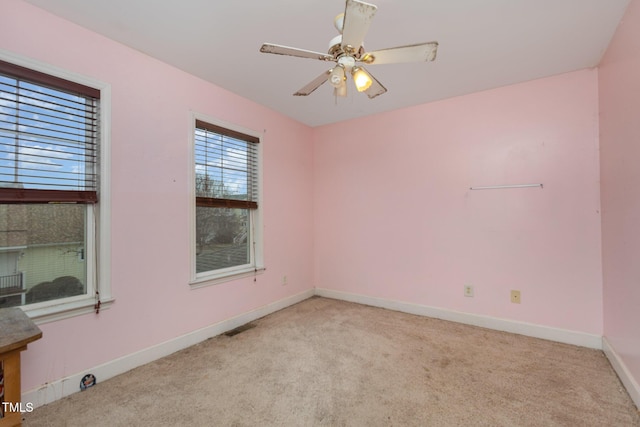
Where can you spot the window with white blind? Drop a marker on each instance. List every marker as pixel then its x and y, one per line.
pixel 50 144
pixel 227 213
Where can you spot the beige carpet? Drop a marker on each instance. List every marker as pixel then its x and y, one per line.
pixel 332 363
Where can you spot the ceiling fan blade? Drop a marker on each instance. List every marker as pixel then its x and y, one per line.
pixel 357 18
pixel 411 53
pixel 314 84
pixel 376 87
pixel 292 51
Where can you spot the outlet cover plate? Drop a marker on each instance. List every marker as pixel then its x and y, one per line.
pixel 515 297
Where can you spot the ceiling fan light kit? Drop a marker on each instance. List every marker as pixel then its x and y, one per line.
pixel 337 75
pixel 361 79
pixel 347 51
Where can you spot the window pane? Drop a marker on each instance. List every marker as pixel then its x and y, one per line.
pixel 222 238
pixel 225 167
pixel 47 137
pixel 42 252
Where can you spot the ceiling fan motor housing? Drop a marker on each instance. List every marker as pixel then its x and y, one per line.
pixel 336 49
pixel 335 45
pixel 348 62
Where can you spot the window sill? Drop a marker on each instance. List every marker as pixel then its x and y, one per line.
pixel 54 311
pixel 215 279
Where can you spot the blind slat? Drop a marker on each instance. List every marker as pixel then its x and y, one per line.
pixel 31 137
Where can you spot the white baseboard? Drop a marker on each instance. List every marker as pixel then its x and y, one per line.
pixel 623 372
pixel 545 332
pixel 53 391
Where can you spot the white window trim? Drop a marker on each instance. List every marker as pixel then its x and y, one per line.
pixel 199 280
pixel 98 268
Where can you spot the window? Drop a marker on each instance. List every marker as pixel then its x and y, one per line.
pixel 226 182
pixel 50 144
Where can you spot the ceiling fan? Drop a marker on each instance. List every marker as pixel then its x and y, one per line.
pixel 347 51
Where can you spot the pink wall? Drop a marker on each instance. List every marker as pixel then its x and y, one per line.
pixel 620 153
pixel 395 219
pixel 151 103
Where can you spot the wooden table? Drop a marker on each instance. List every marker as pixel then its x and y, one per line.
pixel 16 331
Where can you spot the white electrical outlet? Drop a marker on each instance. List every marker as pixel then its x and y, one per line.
pixel 284 280
pixel 468 290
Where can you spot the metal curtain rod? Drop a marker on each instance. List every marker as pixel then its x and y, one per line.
pixel 493 187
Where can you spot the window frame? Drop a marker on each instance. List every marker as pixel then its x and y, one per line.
pixel 98 217
pixel 256 266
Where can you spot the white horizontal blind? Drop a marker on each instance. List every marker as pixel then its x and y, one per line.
pixel 226 166
pixel 48 140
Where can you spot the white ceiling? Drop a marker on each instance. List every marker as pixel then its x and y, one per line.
pixel 483 44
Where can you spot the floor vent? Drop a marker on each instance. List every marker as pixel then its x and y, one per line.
pixel 240 329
